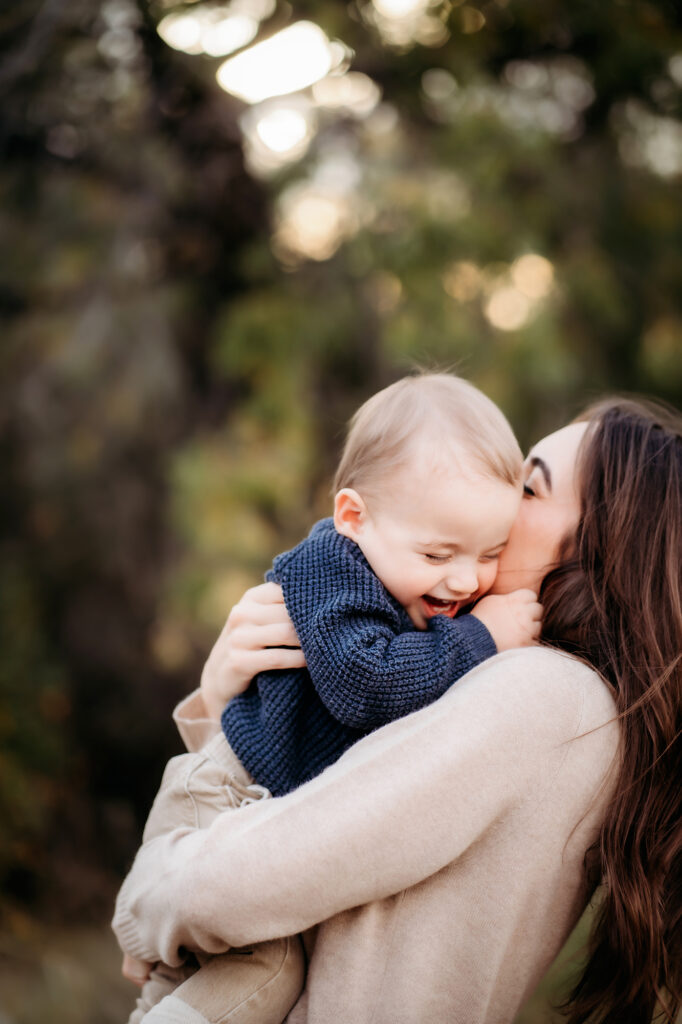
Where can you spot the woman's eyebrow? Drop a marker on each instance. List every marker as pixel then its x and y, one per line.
pixel 536 461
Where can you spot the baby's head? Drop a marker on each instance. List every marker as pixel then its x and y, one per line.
pixel 428 486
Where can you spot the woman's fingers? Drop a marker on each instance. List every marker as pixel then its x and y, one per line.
pixel 245 664
pixel 265 593
pixel 263 660
pixel 272 635
pixel 256 612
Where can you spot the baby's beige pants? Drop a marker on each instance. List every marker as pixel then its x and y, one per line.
pixel 252 985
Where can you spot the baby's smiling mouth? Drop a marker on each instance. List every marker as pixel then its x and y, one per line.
pixel 437 606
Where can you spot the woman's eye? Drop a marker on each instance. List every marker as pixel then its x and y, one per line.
pixel 528 491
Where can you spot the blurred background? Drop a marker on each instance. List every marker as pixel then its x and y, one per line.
pixel 222 226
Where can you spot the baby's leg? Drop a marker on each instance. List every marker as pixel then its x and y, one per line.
pixel 175 805
pixel 258 985
pixel 162 981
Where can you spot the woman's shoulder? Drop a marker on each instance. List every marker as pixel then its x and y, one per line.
pixel 540 664
pixel 545 686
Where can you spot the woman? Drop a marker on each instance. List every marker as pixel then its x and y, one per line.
pixel 449 854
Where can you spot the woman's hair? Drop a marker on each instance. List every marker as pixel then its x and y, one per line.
pixel 384 430
pixel 616 601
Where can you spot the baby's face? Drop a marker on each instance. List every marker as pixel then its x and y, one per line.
pixel 435 537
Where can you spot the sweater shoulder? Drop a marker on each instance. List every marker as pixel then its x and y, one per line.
pixel 323 545
pixel 552 690
pixel 327 573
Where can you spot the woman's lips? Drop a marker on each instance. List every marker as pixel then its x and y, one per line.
pixel 436 606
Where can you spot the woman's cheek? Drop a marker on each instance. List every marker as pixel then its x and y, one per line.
pixel 523 562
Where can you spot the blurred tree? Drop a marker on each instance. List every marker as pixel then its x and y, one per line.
pixel 125 202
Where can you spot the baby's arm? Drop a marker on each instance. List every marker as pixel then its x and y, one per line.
pixel 367 663
pixel 367 672
pixel 513 620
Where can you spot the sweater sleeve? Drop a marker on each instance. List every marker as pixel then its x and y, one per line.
pixel 367 674
pixel 367 662
pixel 194 723
pixel 398 806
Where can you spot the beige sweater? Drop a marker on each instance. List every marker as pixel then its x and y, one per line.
pixel 443 853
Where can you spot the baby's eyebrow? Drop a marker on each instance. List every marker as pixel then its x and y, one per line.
pixel 453 546
pixel 536 461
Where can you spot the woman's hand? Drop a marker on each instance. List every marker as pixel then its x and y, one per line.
pixel 257 636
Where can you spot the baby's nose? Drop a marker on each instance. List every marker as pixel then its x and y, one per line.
pixel 463 580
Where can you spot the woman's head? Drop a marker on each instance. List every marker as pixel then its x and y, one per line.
pixel 614 471
pixel 615 599
pixel 549 512
pixel 624 553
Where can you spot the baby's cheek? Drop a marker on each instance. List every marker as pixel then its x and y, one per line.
pixel 487 577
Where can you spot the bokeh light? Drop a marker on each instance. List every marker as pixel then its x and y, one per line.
pixel 282 130
pixel 648 140
pixel 351 93
pixel 463 280
pixel 277 132
pixel 312 226
pixel 315 216
pixel 508 308
pixel 513 293
pixel 402 23
pixel 533 275
pixel 290 60
pixel 215 30
pixel 228 34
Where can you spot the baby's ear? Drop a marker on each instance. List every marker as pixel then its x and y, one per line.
pixel 350 513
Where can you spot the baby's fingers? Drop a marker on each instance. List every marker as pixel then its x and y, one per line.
pixel 525 595
pixel 134 970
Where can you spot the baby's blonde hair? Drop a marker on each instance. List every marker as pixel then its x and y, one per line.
pixel 452 411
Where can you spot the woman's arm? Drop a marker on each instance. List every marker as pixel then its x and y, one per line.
pixel 397 807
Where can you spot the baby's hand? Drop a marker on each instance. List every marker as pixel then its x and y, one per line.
pixel 134 970
pixel 513 620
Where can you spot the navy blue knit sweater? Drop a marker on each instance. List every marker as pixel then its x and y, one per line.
pixel 367 664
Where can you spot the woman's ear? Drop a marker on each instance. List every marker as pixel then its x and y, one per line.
pixel 350 513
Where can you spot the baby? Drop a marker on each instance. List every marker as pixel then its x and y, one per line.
pixel 387 598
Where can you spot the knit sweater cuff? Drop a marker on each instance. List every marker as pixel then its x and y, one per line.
pixel 482 643
pixel 127 933
pixel 195 726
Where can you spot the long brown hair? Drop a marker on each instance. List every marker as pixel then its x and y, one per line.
pixel 615 600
